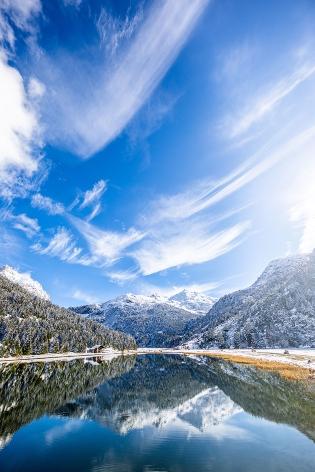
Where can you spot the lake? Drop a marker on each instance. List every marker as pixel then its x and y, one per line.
pixel 154 414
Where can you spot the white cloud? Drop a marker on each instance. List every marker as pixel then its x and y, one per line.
pixel 48 204
pixel 109 98
pixel 185 245
pixel 19 130
pixel 302 213
pixel 21 13
pixel 114 31
pixel 95 194
pixel 266 103
pixel 121 276
pixel 176 233
pixel 28 225
pixel 63 246
pixel 22 222
pixel 96 211
pixel 208 193
pixel 92 199
pixel 106 247
pixel 35 88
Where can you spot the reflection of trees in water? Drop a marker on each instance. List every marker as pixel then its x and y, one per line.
pixel 121 392
pixel 155 384
pixel 164 382
pixel 27 391
pixel 267 395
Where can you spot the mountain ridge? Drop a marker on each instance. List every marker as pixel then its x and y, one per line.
pixel 277 310
pixel 152 320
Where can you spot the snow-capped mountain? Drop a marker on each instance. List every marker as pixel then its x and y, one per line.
pixel 195 302
pixel 153 320
pixel 278 310
pixel 25 280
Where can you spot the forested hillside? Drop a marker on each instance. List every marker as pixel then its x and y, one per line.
pixel 31 325
pixel 278 310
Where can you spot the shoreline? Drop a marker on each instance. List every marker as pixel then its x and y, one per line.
pixel 296 364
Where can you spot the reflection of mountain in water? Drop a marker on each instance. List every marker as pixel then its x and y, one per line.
pixel 267 394
pixel 195 394
pixel 208 409
pixel 162 390
pixel 28 391
pixel 158 391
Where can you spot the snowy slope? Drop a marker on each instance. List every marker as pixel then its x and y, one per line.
pixel 153 320
pixel 278 310
pixel 195 302
pixel 25 280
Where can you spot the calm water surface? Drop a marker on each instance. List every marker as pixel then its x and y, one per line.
pixel 154 413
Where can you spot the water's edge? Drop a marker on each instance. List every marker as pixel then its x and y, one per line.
pixel 295 363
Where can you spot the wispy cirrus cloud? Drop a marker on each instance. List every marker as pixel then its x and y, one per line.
pixel 48 204
pixel 209 192
pixel 106 247
pixel 176 230
pixel 176 233
pixel 185 245
pixel 122 276
pixel 63 246
pixel 302 211
pixel 115 31
pixel 113 94
pixel 29 226
pixel 258 108
pixel 92 199
pixel 94 195
pixel 19 13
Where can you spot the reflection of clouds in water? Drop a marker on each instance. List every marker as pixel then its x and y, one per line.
pixel 62 430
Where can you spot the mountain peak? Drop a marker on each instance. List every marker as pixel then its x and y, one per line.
pixel 193 300
pixel 25 280
pixel 276 311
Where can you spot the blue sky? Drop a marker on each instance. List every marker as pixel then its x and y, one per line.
pixel 155 145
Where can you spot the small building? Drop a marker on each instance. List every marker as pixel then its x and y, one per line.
pixel 95 349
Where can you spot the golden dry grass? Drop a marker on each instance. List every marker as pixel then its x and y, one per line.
pixel 288 371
